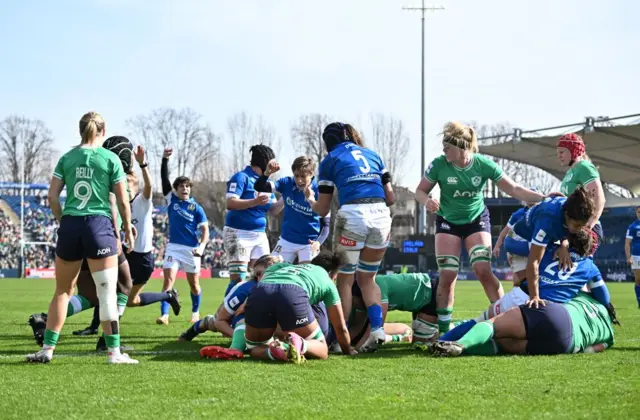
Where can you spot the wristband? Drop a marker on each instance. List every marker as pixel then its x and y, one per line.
pixel 144 165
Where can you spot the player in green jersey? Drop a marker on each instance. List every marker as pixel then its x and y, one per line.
pixel 410 292
pixel 284 297
pixel 579 325
pixel 463 218
pixel 581 172
pixel 90 173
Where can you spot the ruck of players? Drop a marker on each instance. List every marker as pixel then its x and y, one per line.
pixel 301 300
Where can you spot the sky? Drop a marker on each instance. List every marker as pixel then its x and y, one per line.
pixel 529 63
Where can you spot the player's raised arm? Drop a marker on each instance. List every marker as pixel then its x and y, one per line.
pixel 164 172
pixel 146 175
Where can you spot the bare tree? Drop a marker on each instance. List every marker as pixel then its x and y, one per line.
pixel 210 188
pixel 521 173
pixel 306 135
pixel 29 143
pixel 246 131
pixel 211 196
pixel 391 141
pixel 184 131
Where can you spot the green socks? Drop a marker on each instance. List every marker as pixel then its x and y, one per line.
pixel 77 304
pixel 479 335
pixel 444 319
pixel 490 348
pixel 122 303
pixel 238 341
pixel 113 341
pixel 50 338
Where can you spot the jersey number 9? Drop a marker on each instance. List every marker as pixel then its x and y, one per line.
pixel 82 191
pixel 357 155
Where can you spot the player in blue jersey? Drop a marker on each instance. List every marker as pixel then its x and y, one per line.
pixel 187 221
pixel 517 248
pixel 632 250
pixel 363 223
pixel 244 234
pixel 303 231
pixel 556 285
pixel 550 221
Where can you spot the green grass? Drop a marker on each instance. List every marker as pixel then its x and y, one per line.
pixel 172 381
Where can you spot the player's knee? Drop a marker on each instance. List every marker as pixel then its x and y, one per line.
pixel 480 258
pixel 105 281
pixel 66 289
pixel 423 330
pixel 448 265
pixel 483 272
pixel 348 268
pixel 368 267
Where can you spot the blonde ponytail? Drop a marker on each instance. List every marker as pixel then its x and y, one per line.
pixel 91 126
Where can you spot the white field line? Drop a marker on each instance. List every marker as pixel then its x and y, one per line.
pixel 161 352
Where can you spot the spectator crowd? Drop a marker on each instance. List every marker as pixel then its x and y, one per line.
pixel 41 226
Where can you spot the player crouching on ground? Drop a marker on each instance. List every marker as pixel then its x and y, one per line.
pixel 229 320
pixel 411 292
pixel 556 285
pixel 579 325
pixel 284 297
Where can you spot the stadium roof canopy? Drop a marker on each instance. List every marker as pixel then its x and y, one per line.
pixel 615 150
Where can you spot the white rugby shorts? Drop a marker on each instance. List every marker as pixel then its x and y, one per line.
pixel 244 245
pixel 289 251
pixel 360 225
pixel 181 256
pixel 515 297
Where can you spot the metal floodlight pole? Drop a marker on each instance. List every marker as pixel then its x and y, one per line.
pixel 22 176
pixel 420 228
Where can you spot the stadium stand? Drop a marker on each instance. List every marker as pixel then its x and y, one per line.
pixel 41 226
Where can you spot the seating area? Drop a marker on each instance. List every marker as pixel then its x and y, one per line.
pixel 41 226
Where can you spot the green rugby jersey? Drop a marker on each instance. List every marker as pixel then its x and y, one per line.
pixel 580 174
pixel 461 199
pixel 591 322
pixel 313 279
pixel 405 292
pixel 89 175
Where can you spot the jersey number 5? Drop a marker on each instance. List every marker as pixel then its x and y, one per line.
pixel 357 155
pixel 82 191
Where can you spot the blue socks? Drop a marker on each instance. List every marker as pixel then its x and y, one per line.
pixel 164 308
pixel 458 332
pixel 195 302
pixel 375 316
pixel 638 294
pixel 149 298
